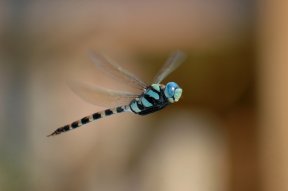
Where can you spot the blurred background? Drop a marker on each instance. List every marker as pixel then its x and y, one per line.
pixel 227 133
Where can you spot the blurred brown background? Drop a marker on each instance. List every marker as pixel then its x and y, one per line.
pixel 227 133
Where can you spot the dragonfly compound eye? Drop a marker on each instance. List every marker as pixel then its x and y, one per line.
pixel 173 92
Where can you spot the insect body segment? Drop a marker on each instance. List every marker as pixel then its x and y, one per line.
pixel 153 99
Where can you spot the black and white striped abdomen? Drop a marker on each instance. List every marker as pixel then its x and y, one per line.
pixel 90 118
pixel 153 99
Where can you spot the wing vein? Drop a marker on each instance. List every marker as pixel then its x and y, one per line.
pixel 116 71
pixel 101 96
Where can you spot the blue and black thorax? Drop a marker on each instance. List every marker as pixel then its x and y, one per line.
pixel 151 100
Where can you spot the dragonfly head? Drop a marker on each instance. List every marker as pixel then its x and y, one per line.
pixel 173 92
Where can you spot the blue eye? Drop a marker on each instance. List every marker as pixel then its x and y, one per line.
pixel 170 89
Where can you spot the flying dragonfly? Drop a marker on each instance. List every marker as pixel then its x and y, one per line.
pixel 151 98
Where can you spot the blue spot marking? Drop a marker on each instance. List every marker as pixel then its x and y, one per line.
pixel 146 103
pixel 134 107
pixel 156 87
pixel 153 94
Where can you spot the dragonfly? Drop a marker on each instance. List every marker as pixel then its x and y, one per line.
pixel 148 99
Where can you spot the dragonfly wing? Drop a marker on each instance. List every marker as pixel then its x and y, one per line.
pixel 173 62
pixel 101 96
pixel 116 71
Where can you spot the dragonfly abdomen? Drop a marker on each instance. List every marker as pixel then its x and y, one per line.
pixel 90 118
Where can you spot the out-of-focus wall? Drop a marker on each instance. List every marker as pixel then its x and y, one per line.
pixel 206 142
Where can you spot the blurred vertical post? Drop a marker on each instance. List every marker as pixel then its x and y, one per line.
pixel 273 93
pixel 15 98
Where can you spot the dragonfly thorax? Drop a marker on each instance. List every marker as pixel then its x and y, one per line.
pixel 152 99
pixel 155 98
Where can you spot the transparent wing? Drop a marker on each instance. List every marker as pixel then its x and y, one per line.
pixel 173 62
pixel 116 71
pixel 101 96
